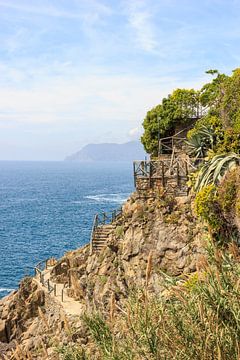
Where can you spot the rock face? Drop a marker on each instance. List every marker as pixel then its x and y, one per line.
pixel 163 229
pixel 31 318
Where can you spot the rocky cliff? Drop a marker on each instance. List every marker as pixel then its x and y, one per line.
pixel 159 227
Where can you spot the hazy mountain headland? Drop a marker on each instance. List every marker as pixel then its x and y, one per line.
pixel 159 278
pixel 132 150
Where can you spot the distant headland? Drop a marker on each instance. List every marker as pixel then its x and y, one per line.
pixel 109 152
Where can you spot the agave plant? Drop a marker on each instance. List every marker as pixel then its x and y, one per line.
pixel 214 170
pixel 201 142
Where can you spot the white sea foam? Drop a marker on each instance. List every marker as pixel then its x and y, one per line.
pixel 113 198
pixel 6 290
pixel 20 200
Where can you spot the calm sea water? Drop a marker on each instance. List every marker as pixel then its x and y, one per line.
pixel 47 208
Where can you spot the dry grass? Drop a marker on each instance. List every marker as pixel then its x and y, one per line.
pixel 199 320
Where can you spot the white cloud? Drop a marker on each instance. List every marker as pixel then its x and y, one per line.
pixel 48 9
pixel 135 133
pixel 76 98
pixel 140 19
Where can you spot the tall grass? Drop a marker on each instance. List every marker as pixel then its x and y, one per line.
pixel 196 318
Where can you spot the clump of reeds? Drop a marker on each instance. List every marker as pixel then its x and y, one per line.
pixel 200 318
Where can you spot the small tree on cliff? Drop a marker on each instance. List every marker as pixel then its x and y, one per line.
pixel 179 108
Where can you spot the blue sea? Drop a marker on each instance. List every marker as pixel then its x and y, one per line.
pixel 47 208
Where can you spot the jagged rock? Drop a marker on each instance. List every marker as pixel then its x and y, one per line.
pixel 3 333
pixel 164 228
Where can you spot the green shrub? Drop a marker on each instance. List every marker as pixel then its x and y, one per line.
pixel 194 319
pixel 119 231
pixel 207 207
pixel 227 193
pixel 72 352
pixel 220 205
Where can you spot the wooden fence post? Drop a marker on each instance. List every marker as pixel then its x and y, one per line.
pixel 163 180
pixel 134 173
pixel 150 173
pixel 178 183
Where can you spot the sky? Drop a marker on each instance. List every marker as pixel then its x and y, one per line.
pixel 74 72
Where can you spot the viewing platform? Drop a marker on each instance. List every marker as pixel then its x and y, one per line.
pixel 168 173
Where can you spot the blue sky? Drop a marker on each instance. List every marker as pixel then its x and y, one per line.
pixel 74 72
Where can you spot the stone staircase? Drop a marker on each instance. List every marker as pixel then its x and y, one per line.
pixel 103 224
pixel 100 237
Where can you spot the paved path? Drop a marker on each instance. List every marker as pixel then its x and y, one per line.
pixel 70 306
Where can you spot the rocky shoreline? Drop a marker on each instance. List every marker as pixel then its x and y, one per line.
pixel 33 323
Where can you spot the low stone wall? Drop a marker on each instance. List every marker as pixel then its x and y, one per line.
pixel 172 185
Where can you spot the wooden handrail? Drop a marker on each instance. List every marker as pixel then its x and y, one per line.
pixel 95 224
pixel 101 219
pixel 164 167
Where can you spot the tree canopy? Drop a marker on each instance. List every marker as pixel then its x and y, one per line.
pixel 177 109
pixel 221 100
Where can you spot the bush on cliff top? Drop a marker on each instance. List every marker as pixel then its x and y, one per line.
pixel 219 207
pixel 219 101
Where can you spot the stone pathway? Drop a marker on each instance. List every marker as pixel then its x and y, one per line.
pixel 100 236
pixel 69 305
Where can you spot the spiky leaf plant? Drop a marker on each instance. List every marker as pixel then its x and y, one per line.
pixel 214 170
pixel 201 142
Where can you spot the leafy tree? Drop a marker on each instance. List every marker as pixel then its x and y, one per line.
pixel 220 100
pixel 222 96
pixel 230 106
pixel 212 93
pixel 179 108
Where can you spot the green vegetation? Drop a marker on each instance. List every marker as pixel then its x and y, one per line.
pixel 196 318
pixel 201 141
pixel 72 352
pixel 207 206
pixel 219 207
pixel 221 97
pixel 215 136
pixel 214 170
pixel 119 231
pixel 177 109
pixel 218 128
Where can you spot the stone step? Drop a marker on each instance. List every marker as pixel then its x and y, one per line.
pixel 102 232
pixel 98 247
pixel 105 227
pixel 99 242
pixel 101 237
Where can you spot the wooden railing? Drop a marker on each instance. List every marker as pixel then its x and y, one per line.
pixel 39 271
pixel 167 144
pixel 170 173
pixel 101 219
pixel 161 168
